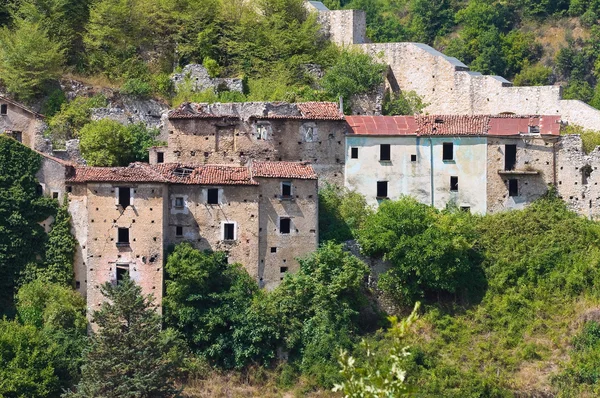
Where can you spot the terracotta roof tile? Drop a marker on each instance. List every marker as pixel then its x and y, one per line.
pixel 206 174
pixel 382 125
pixel 175 173
pixel 452 124
pixel 297 170
pixel 320 110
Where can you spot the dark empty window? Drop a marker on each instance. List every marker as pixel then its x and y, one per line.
pixel 124 196
pixel 454 183
pixel 466 209
pixel 39 190
pixel 273 250
pixel 229 231
pixel 384 152
pixel 69 188
pixel 382 189
pixel 448 151
pixel 123 236
pixel 213 196
pixel 283 269
pixel 55 195
pixel 122 270
pixel 285 225
pixel 413 158
pixel 160 157
pixel 513 187
pixel 178 231
pixel 3 109
pixel 286 189
pixel 179 202
pixel 510 156
pixel 354 153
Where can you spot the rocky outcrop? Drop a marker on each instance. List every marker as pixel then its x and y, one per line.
pixel 200 80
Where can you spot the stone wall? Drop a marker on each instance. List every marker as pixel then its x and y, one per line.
pixel 234 141
pixel 447 84
pixel 198 77
pixel 534 171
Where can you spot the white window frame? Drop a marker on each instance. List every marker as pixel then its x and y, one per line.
pixel 182 202
pixel 235 233
pixel 291 190
pixel 263 130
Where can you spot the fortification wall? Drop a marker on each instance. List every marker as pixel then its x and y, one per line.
pixel 447 84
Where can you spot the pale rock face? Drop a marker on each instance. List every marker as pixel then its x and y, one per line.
pixel 200 80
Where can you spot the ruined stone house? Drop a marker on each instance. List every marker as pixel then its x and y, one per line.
pixel 264 215
pixel 236 133
pixel 478 163
pixel 22 123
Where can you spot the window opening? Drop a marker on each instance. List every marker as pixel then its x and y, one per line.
pixel 160 157
pixel 354 153
pixel 179 202
pixel 510 156
pixel 229 231
pixel 285 225
pixel 123 236
pixel 4 109
pixel 124 196
pixel 286 189
pixel 283 269
pixel 262 131
pixel 39 190
pixel 534 129
pixel 382 189
pixel 513 187
pixel 55 195
pixel 448 151
pixel 213 196
pixel 182 171
pixel 273 250
pixel 586 172
pixel 122 270
pixel 178 231
pixel 384 152
pixel 466 209
pixel 310 132
pixel 413 158
pixel 454 183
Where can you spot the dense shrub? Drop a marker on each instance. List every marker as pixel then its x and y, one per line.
pixel 341 213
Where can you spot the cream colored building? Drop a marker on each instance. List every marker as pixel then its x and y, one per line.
pixel 451 160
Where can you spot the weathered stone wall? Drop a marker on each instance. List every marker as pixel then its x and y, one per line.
pixel 198 77
pixel 51 177
pixel 127 110
pixel 202 223
pixel 144 254
pixel 234 141
pixel 578 176
pixel 79 220
pixel 534 171
pixel 278 252
pixel 447 85
pixel 28 124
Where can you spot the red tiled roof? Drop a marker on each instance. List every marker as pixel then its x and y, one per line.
pixel 206 174
pixel 175 173
pixel 135 172
pixel 456 125
pixel 320 110
pixel 57 160
pixel 511 124
pixel 298 170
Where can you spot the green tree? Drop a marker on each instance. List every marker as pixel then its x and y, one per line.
pixel 143 138
pixel 73 116
pixel 21 212
pixel 402 233
pixel 403 103
pixel 60 250
pixel 208 301
pixel 129 355
pixel 28 58
pixel 353 73
pixel 341 213
pixel 106 143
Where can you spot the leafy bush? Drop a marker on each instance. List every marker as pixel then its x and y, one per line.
pixel 341 213
pixel 72 116
pixel 137 87
pixel 353 73
pixel 212 67
pixel 402 231
pixel 590 139
pixel 533 75
pixel 403 103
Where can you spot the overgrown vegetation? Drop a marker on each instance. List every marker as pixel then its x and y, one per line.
pixel 590 139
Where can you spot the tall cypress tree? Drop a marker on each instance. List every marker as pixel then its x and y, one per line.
pixel 128 356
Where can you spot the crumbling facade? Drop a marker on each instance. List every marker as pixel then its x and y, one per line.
pixel 478 163
pixel 239 132
pixel 263 215
pixel 23 124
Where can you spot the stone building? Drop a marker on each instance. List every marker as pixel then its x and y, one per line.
pixel 478 163
pixel 445 83
pixel 22 123
pixel 263 215
pixel 235 133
